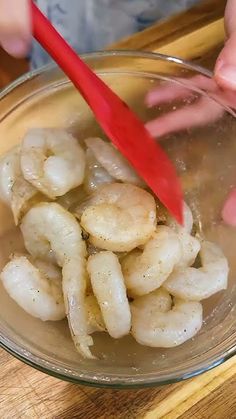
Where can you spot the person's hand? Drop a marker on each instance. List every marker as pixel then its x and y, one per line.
pixel 15 26
pixel 225 68
pixel 222 87
pixel 195 110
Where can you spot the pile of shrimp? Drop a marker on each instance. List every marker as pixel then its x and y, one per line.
pixel 95 250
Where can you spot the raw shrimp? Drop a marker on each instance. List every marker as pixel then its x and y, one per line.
pixel 159 327
pixel 15 191
pixel 49 226
pixel 95 319
pixel 119 217
pixel 190 247
pixel 95 174
pixel 190 244
pixel 52 160
pixel 114 163
pixel 9 171
pixel 24 196
pixel 187 224
pixel 158 300
pixel 109 288
pixel 198 284
pixel 147 271
pixel 35 286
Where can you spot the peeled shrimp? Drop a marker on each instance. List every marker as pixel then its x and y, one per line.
pixel 158 300
pixel 95 174
pixel 146 271
pixel 187 224
pixel 119 217
pixel 114 163
pixel 49 226
pixel 15 191
pixel 35 286
pixel 190 245
pixel 52 161
pixel 9 171
pixel 24 196
pixel 162 326
pixel 198 284
pixel 109 288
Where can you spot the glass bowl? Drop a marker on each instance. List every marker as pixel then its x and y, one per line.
pixel 204 154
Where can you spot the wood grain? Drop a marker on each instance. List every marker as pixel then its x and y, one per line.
pixel 27 393
pixel 183 35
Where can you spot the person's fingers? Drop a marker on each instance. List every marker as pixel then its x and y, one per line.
pixel 225 68
pixel 166 93
pixel 15 26
pixel 230 18
pixel 170 91
pixel 229 209
pixel 197 114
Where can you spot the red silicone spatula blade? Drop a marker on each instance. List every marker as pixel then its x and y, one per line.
pixel 120 124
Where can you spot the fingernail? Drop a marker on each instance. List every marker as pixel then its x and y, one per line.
pixel 228 74
pixel 16 47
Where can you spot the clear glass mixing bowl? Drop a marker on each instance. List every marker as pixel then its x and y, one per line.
pixel 205 158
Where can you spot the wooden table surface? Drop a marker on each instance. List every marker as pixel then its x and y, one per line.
pixel 26 393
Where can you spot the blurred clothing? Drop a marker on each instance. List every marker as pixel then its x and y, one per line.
pixel 90 25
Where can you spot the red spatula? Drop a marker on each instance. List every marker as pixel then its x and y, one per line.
pixel 119 123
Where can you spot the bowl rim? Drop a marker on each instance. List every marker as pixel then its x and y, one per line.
pixel 110 53
pixel 104 381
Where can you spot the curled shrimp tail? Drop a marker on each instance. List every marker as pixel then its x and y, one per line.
pixel 95 319
pixel 74 296
pixel 119 217
pixel 24 195
pixel 15 191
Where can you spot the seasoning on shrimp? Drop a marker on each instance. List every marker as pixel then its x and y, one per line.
pixel 35 286
pixel 119 217
pixel 164 327
pixel 198 284
pixel 109 288
pixel 146 271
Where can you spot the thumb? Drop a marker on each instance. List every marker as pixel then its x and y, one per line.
pixel 15 26
pixel 225 69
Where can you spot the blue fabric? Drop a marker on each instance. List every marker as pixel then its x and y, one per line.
pixel 90 25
